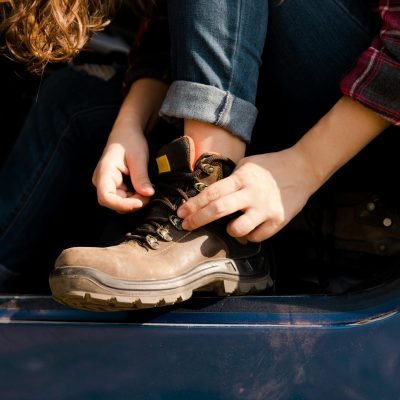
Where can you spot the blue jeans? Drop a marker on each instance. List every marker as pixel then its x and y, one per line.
pixel 48 202
pixel 305 46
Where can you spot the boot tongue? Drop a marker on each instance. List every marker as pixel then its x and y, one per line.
pixel 177 155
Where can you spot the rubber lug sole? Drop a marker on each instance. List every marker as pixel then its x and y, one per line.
pixel 87 291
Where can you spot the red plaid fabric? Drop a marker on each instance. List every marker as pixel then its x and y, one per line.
pixel 375 78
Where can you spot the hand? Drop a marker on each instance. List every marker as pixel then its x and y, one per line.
pixel 269 189
pixel 126 154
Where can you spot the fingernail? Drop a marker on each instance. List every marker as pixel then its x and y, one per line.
pixel 137 204
pixel 185 225
pixel 182 213
pixel 148 187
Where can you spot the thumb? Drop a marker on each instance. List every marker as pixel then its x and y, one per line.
pixel 140 177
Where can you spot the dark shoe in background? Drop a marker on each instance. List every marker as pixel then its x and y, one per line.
pixel 159 263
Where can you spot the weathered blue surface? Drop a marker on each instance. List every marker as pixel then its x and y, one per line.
pixel 306 347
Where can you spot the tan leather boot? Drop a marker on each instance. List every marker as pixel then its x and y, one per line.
pixel 159 263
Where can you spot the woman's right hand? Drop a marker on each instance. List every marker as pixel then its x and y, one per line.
pixel 121 175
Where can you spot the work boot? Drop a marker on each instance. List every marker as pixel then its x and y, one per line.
pixel 159 263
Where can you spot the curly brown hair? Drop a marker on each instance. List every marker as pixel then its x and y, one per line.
pixel 37 32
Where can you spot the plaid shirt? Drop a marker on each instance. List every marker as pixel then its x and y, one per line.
pixel 375 78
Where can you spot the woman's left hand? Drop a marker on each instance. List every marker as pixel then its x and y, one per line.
pixel 269 189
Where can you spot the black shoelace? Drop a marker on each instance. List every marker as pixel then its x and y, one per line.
pixel 172 189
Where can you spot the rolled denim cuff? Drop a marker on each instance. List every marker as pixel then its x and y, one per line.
pixel 190 100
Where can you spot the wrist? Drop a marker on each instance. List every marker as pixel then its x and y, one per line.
pixel 308 177
pixel 338 136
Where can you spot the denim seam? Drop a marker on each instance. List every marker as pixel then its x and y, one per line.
pixel 238 34
pixel 226 106
pixel 227 102
pixel 28 194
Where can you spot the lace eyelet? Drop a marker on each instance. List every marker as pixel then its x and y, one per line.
pixel 164 234
pixel 207 168
pixel 176 222
pixel 200 186
pixel 152 242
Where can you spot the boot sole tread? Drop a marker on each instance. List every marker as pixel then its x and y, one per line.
pixel 88 293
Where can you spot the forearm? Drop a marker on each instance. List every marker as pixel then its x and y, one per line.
pixel 338 136
pixel 142 104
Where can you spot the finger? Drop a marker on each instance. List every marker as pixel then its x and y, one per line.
pixel 107 181
pixel 109 170
pixel 125 193
pixel 215 191
pixel 264 231
pixel 121 204
pixel 108 195
pixel 217 209
pixel 139 175
pixel 245 223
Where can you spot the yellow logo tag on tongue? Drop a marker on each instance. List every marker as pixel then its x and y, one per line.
pixel 163 164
